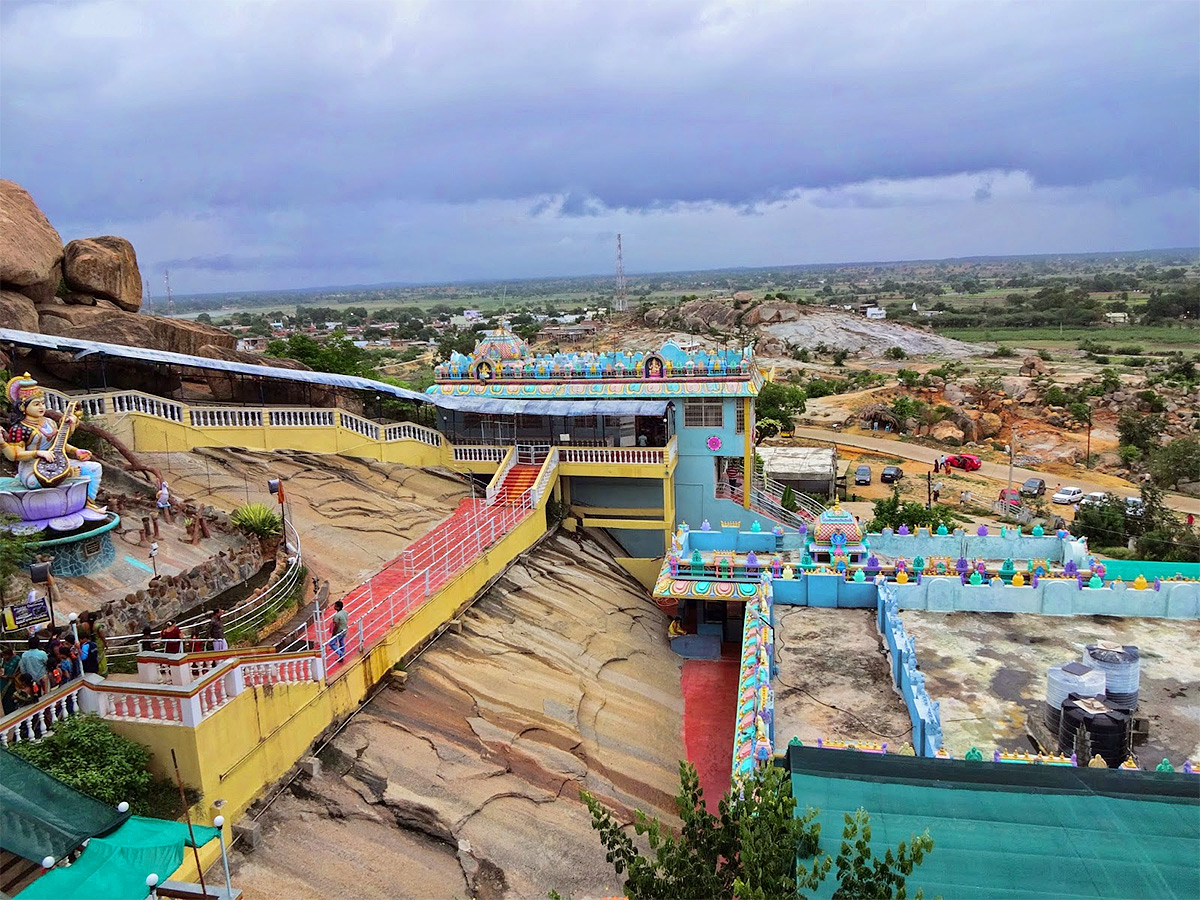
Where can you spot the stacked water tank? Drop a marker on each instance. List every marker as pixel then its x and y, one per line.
pixel 1062 681
pixel 1109 729
pixel 1122 671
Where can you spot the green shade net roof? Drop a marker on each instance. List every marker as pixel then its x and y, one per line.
pixel 40 816
pixel 1005 830
pixel 115 867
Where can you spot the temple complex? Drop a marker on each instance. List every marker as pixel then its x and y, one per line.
pixel 778 603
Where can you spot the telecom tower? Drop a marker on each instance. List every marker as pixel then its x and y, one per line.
pixel 147 300
pixel 622 299
pixel 170 299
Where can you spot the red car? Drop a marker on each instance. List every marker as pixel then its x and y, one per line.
pixel 964 461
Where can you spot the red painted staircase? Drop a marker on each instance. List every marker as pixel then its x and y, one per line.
pixel 520 478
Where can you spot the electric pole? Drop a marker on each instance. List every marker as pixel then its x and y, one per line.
pixel 170 299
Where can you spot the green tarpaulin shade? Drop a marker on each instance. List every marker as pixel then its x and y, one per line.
pixel 115 867
pixel 40 816
pixel 1014 831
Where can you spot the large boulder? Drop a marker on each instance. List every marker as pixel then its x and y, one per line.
pixel 947 433
pixel 17 311
pixel 988 425
pixel 772 314
pixel 30 248
pixel 103 322
pixel 104 267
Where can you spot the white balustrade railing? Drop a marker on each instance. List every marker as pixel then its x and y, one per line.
pixel 222 417
pixel 544 475
pixel 37 721
pixel 135 401
pixel 407 431
pixel 479 453
pixel 614 455
pixel 510 460
pixel 359 425
pixel 301 418
pixel 672 450
pixel 282 669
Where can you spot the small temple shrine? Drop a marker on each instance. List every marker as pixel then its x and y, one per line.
pixel 836 538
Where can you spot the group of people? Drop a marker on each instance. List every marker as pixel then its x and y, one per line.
pixel 50 659
pixel 208 636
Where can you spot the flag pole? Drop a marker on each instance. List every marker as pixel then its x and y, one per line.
pixel 187 816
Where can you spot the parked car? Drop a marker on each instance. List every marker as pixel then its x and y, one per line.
pixel 862 475
pixel 890 474
pixel 1095 498
pixel 965 461
pixel 1033 487
pixel 1011 496
pixel 1134 507
pixel 1068 495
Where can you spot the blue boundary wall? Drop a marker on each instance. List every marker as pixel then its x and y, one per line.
pixel 1010 543
pixel 924 712
pixel 1129 569
pixel 1051 597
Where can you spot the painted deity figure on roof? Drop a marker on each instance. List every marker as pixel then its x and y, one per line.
pixel 31 434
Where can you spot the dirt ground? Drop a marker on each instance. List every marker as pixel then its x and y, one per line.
pixel 833 679
pixel 988 671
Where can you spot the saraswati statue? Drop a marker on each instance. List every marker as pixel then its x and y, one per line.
pixel 39 447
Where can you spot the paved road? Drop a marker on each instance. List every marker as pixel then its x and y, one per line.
pixel 996 471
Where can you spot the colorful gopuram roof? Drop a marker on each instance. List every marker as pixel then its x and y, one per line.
pixel 501 365
pixel 836 525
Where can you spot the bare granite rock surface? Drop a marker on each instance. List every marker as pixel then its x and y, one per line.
pixel 464 783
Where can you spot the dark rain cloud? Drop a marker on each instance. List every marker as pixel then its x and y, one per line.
pixel 119 111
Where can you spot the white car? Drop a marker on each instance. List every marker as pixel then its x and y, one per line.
pixel 1068 495
pixel 1096 498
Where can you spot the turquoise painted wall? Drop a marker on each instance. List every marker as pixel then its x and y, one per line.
pixel 1052 597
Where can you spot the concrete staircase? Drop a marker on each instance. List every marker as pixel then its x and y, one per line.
pixel 520 478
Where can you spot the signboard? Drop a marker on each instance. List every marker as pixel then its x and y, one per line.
pixel 23 615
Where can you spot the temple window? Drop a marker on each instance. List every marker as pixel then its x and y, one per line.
pixel 741 416
pixel 704 413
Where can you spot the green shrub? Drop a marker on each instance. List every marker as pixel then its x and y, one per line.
pixel 895 353
pixel 257 519
pixel 1045 355
pixel 83 753
pixel 1003 352
pixel 1130 350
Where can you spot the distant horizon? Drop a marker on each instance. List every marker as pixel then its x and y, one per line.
pixel 249 144
pixel 383 285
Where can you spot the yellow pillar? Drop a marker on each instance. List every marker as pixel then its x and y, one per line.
pixel 748 461
pixel 668 509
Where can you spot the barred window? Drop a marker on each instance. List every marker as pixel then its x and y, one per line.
pixel 703 413
pixel 741 416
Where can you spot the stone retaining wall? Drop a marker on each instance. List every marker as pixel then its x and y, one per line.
pixel 166 596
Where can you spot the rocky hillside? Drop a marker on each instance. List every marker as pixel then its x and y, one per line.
pixel 465 782
pixel 781 325
pixel 353 515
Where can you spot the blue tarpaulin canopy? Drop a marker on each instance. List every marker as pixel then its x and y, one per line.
pixel 86 348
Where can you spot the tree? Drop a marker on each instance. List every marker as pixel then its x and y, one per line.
pixel 895 353
pixel 891 512
pixel 204 319
pixel 779 401
pixel 1136 430
pixel 1082 413
pixel 749 849
pixel 1176 463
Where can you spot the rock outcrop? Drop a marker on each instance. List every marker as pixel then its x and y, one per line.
pixel 104 267
pixel 17 311
pixel 466 781
pixel 31 250
pixel 104 322
pixel 781 325
pixel 947 433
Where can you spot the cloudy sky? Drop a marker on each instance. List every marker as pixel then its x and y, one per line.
pixel 257 145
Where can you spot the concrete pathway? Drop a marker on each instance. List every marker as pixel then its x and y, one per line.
pixel 927 455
